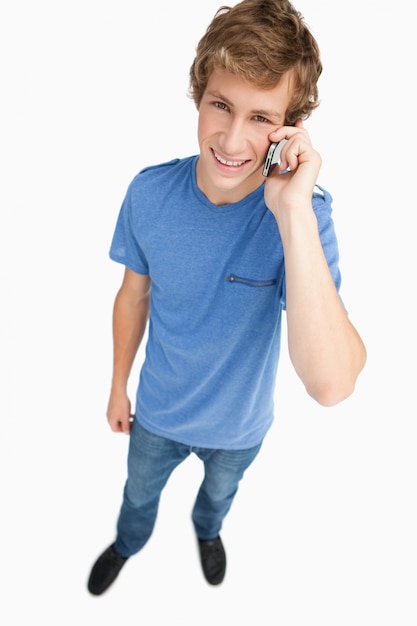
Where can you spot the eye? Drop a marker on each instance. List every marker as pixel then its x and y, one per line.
pixel 261 119
pixel 221 105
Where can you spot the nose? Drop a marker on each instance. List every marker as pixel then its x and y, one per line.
pixel 233 140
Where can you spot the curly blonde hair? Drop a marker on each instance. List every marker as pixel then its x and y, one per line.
pixel 261 40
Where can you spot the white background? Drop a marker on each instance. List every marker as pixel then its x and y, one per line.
pixel 323 530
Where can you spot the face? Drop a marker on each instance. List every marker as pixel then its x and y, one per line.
pixel 234 124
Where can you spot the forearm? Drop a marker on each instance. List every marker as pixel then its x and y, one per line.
pixel 324 347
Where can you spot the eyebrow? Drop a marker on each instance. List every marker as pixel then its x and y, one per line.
pixel 262 112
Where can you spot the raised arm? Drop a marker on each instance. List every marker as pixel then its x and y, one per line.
pixel 325 348
pixel 130 316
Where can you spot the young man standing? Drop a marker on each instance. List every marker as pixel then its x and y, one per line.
pixel 213 253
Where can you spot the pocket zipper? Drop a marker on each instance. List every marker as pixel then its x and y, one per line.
pixel 252 283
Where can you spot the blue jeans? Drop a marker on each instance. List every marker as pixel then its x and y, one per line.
pixel 151 460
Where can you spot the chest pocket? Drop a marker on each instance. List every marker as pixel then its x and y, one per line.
pixel 250 282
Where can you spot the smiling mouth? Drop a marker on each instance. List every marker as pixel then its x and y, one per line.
pixel 229 163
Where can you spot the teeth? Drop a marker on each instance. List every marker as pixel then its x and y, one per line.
pixel 232 163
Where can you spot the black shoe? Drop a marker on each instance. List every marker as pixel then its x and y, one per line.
pixel 105 571
pixel 213 560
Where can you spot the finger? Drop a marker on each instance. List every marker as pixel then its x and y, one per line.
pixel 286 132
pixel 126 426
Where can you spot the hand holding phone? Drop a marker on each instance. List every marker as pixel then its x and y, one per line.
pixel 273 156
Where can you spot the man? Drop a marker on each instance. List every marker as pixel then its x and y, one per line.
pixel 213 253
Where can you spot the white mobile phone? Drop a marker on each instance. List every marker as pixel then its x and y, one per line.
pixel 273 156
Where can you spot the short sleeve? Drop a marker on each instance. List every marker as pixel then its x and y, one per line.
pixel 125 247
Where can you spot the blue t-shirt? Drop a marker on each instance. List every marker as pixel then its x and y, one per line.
pixel 218 291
